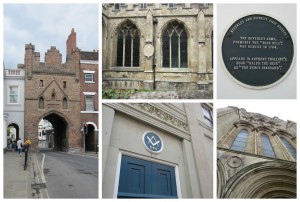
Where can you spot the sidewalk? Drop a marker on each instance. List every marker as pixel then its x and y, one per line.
pixel 17 182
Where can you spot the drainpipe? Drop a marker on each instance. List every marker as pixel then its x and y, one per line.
pixel 154 66
pixel 154 61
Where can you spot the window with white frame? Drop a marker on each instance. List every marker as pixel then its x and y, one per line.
pixel 89 76
pixel 13 94
pixel 89 101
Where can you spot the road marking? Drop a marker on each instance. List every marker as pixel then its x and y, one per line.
pixel 42 176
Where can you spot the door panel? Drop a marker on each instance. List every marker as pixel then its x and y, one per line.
pixel 145 179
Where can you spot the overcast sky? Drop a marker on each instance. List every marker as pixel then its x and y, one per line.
pixel 46 25
pixel 283 109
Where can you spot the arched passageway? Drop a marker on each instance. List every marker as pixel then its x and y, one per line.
pixel 90 139
pixel 58 139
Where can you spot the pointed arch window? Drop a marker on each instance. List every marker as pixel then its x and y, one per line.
pixel 240 141
pixel 267 146
pixel 128 46
pixel 175 52
pixel 289 147
pixel 65 103
pixel 41 103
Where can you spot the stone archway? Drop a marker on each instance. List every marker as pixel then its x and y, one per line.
pixel 90 144
pixel 16 126
pixel 59 140
pixel 276 179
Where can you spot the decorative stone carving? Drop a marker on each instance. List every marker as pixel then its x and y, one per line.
pixel 234 162
pixel 162 115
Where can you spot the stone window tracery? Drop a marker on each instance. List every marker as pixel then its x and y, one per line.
pixel 267 146
pixel 240 141
pixel 175 52
pixel 128 46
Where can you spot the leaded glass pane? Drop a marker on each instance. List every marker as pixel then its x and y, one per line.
pixel 174 51
pixel 267 146
pixel 166 50
pixel 127 49
pixel 183 49
pixel 136 50
pixel 240 141
pixel 120 49
pixel 289 147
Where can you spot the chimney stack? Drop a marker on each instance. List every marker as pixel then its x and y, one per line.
pixel 71 43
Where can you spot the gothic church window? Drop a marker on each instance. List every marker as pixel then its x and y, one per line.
pixel 267 146
pixel 289 147
pixel 175 52
pixel 240 141
pixel 41 103
pixel 128 46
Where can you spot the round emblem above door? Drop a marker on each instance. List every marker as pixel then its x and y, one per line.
pixel 153 142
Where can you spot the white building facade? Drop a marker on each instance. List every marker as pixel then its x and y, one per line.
pixel 13 103
pixel 157 150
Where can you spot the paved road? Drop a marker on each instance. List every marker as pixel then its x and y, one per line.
pixel 69 176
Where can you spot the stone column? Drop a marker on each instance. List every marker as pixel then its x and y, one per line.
pixel 204 171
pixel 193 185
pixel 106 133
pixel 5 116
pixel 201 43
pixel 147 51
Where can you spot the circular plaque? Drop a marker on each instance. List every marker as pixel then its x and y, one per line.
pixel 257 51
pixel 153 142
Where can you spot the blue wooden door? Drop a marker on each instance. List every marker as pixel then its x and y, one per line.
pixel 145 179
